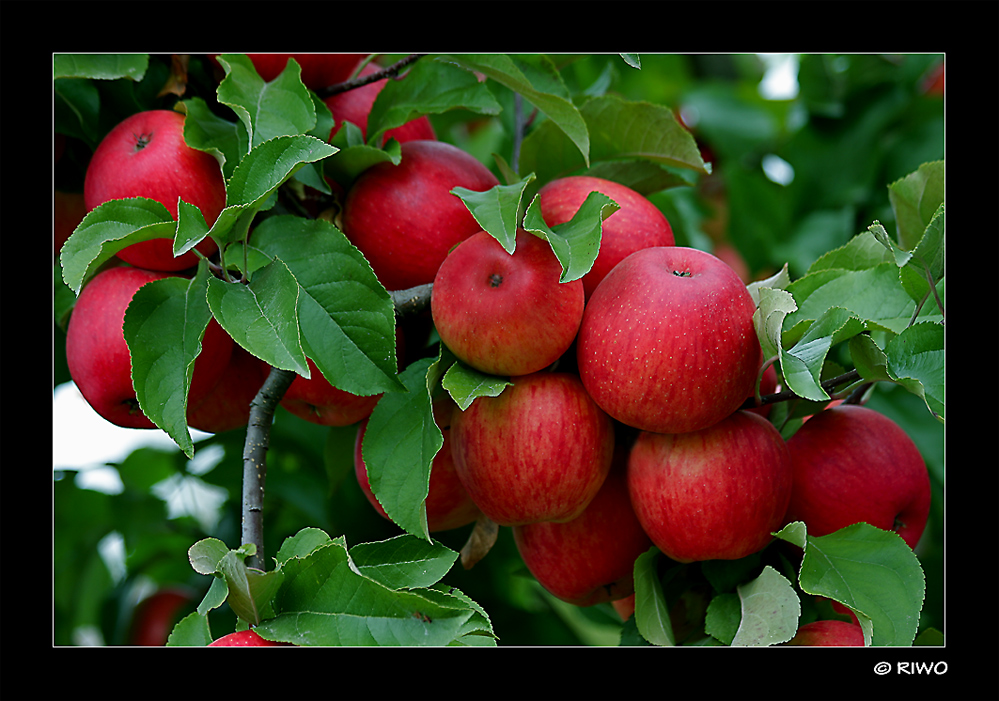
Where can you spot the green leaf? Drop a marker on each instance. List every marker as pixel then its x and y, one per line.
pixel 399 445
pixel 914 359
pixel 107 229
pixel 206 131
pixel 191 631
pixel 801 365
pixel 429 87
pixel 259 174
pixel 403 562
pixel 874 295
pixel 773 307
pixel 465 384
pixel 191 228
pixel 770 610
pixel 915 199
pixel 871 571
pixel 251 592
pixel 346 317
pixel 862 251
pixel 620 131
pixel 576 242
pixel 538 80
pixel 163 327
pixel 100 66
pixel 497 209
pixel 301 544
pixel 282 107
pixel 651 613
pixel 206 554
pixel 723 617
pixel 325 600
pixel 262 316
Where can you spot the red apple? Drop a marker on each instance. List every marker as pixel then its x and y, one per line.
pixel 354 106
pixel 667 343
pixel 505 314
pixel 713 494
pixel 854 464
pixel 448 504
pixel 538 452
pixel 590 559
pixel 98 357
pixel 146 156
pixel 828 634
pixel 638 224
pixel 404 219
pixel 68 211
pixel 318 70
pixel 227 406
pixel 156 615
pixel 245 638
pixel 319 402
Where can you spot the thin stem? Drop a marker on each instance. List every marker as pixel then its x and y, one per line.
pixel 258 433
pixel 360 81
pixel 786 395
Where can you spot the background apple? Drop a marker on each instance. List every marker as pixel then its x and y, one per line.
pixel 98 357
pixel 67 213
pixel 227 405
pixel 638 224
pixel 318 70
pixel 156 615
pixel 537 452
pixel 448 504
pixel 146 156
pixel 854 464
pixel 505 314
pixel 245 638
pixel 355 105
pixel 404 219
pixel 318 401
pixel 667 342
pixel 590 559
pixel 828 634
pixel 714 494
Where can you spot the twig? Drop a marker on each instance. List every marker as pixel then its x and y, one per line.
pixel 411 300
pixel 258 432
pixel 360 81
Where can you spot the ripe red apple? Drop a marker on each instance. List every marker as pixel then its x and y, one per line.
pixel 448 504
pixel 713 494
pixel 505 314
pixel 98 357
pixel 319 402
pixel 156 615
pixel 404 219
pixel 245 638
pixel 538 452
pixel 318 70
pixel 638 224
pixel 828 634
pixel 354 106
pixel 227 405
pixel 590 559
pixel 667 343
pixel 854 464
pixel 146 156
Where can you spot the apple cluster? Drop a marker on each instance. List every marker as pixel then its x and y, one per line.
pixel 623 426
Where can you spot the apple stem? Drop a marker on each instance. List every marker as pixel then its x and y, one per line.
pixel 258 432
